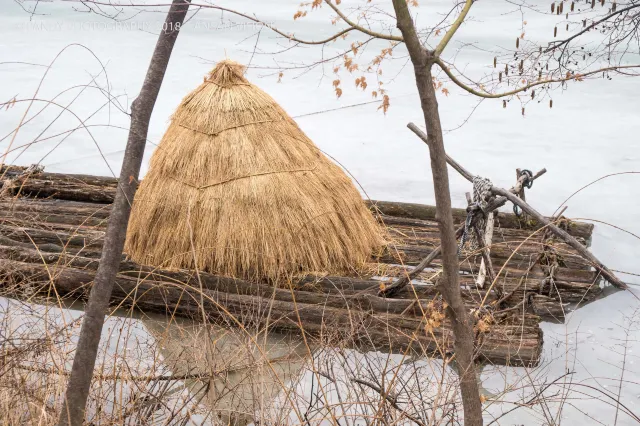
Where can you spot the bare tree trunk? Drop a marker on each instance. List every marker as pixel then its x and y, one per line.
pixel 423 61
pixel 73 409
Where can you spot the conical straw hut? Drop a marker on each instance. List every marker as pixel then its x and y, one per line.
pixel 236 188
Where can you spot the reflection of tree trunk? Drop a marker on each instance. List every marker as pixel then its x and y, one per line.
pixel 243 384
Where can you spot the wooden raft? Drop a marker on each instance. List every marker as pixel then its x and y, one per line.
pixel 52 227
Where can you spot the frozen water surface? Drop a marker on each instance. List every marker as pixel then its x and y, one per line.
pixel 593 130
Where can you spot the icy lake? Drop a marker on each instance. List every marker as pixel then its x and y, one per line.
pixel 593 130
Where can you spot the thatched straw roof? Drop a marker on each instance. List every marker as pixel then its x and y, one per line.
pixel 238 186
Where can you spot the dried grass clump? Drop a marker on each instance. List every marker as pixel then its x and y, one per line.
pixel 238 186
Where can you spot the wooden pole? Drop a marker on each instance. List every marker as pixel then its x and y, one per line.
pixel 453 163
pixel 561 233
pixel 504 196
pixel 484 251
pixel 393 289
pixel 402 282
pixel 488 240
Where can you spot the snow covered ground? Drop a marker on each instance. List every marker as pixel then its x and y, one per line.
pixel 592 130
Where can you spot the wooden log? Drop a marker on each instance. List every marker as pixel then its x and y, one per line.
pixel 86 243
pixel 344 292
pixel 512 249
pixel 56 206
pixel 99 189
pixel 51 218
pixel 88 239
pixel 404 228
pixel 428 213
pixel 548 308
pixel 413 255
pixel 512 344
pixel 608 275
pixel 66 187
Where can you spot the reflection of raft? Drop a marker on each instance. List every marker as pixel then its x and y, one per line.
pixel 52 225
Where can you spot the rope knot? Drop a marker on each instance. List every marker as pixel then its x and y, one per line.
pixel 526 183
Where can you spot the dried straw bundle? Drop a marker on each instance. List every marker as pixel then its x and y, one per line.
pixel 237 186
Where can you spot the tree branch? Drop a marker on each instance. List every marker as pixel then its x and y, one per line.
pixel 360 28
pixel 234 12
pixel 453 29
pixel 392 399
pixel 586 29
pixel 488 95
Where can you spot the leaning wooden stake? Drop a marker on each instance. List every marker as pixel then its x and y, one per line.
pixel 484 251
pixel 561 233
pixel 488 240
pixel 395 287
pixel 484 244
pixel 510 195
